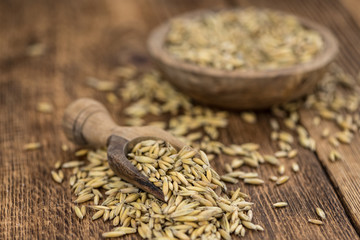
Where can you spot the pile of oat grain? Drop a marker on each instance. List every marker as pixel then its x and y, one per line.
pixel 189 180
pixel 196 206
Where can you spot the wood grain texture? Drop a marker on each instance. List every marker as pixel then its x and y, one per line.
pixel 344 174
pixel 353 7
pixel 90 38
pixel 346 27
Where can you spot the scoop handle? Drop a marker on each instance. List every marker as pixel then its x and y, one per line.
pixel 87 122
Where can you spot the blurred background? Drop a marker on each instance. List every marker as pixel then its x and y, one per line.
pixel 51 52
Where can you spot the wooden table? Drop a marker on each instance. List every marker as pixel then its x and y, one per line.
pixel 90 38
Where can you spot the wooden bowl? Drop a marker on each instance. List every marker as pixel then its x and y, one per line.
pixel 242 89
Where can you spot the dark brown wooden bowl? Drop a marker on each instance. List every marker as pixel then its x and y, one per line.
pixel 242 89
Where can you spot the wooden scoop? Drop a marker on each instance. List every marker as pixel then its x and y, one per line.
pixel 87 123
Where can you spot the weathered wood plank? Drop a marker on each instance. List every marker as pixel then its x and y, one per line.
pixel 352 6
pixel 344 175
pixel 90 38
pixel 304 192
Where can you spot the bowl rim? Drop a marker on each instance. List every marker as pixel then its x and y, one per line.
pixel 156 39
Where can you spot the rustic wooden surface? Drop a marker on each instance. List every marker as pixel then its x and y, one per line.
pixel 343 19
pixel 91 38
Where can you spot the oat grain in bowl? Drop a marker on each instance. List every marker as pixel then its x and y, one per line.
pixel 247 39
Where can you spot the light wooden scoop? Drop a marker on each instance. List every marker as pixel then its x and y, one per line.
pixel 87 122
